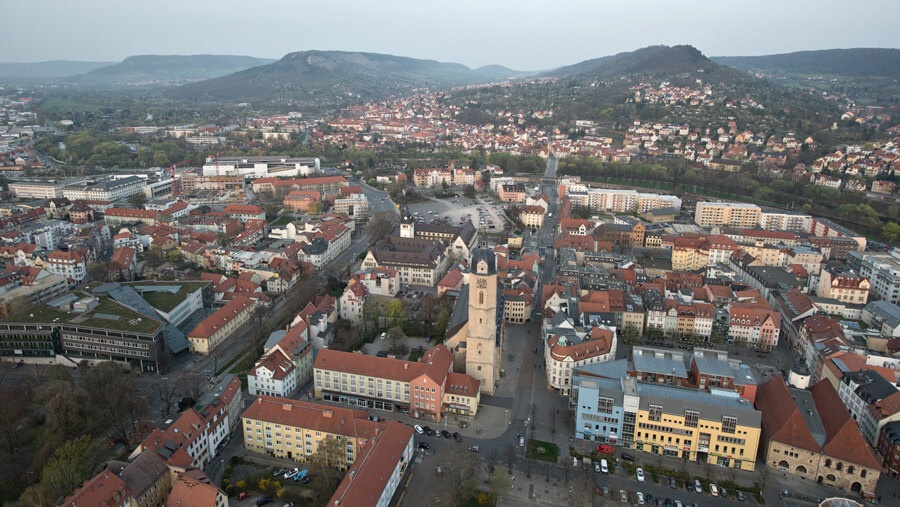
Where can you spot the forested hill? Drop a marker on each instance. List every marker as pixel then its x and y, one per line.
pixel 332 77
pixel 170 68
pixel 46 70
pixel 664 61
pixel 844 62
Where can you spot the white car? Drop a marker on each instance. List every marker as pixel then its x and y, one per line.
pixel 604 467
pixel 640 474
pixel 640 498
pixel 418 429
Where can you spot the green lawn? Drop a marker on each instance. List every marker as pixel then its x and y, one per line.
pixel 164 301
pixel 545 451
pixel 286 219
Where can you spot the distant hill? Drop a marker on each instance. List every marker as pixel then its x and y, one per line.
pixel 163 69
pixel 844 62
pixel 329 77
pixel 652 61
pixel 47 70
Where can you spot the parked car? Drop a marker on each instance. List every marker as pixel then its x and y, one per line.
pixel 605 449
pixel 446 434
pixel 697 487
pixel 278 472
pixel 424 445
pixel 291 473
pixel 640 498
pixel 640 474
pixel 627 457
pixel 713 490
pixel 521 441
pixel 243 495
pixel 418 429
pixel 597 467
pixel 264 500
pixel 678 503
pixel 604 466
pixel 623 496
pixel 474 448
pixel 672 483
pixel 457 437
pixel 605 490
pixel 740 495
pixel 723 492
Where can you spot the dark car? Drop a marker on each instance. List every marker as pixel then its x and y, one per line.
pixel 668 502
pixel 627 457
pixel 457 437
pixel 446 434
pixel 264 500
pixel 430 432
pixel 427 429
pixel 424 445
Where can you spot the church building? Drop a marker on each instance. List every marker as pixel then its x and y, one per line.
pixel 475 331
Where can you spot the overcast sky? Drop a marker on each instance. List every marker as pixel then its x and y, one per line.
pixel 521 34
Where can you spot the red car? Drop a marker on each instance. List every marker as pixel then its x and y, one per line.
pixel 605 449
pixel 244 495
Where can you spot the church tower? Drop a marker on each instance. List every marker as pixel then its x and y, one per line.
pixel 407 227
pixel 483 340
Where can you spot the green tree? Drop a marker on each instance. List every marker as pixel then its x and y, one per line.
pixel 394 312
pixel 72 464
pixel 891 231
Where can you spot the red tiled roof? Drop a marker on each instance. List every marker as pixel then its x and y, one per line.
pixel 222 316
pixel 843 439
pixel 436 364
pixel 781 418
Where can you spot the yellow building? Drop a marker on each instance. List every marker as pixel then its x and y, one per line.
pixel 220 325
pixel 718 428
pixel 736 214
pixel 293 429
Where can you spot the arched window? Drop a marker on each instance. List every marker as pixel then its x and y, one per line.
pixel 829 478
pixel 828 463
pixel 783 464
pixel 839 466
pixel 850 469
pixel 863 472
pixel 481 297
pixel 801 469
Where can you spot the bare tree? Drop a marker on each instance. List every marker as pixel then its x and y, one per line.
pixel 191 384
pixel 115 397
pixel 380 226
pixel 167 393
pixel 329 455
pixel 459 480
pixel 396 344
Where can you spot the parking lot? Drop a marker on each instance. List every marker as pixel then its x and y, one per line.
pixel 459 209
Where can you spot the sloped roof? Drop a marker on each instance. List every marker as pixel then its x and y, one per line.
pixel 843 440
pixel 781 417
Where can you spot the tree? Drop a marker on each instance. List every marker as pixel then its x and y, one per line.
pixel 98 271
pixel 115 398
pixel 459 480
pixel 167 393
pixel 138 199
pixel 394 312
pixel 395 337
pixel 191 384
pixel 498 482
pixel 64 403
pixel 329 455
pixel 72 464
pixel 155 256
pixel 469 191
pixel 381 225
pixel 891 231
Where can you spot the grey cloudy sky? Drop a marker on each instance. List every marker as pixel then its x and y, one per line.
pixel 521 34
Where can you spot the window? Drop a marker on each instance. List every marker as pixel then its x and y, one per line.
pixel 605 405
pixel 729 424
pixel 691 418
pixel 655 412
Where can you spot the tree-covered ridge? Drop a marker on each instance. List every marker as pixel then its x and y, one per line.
pixel 875 62
pixel 334 78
